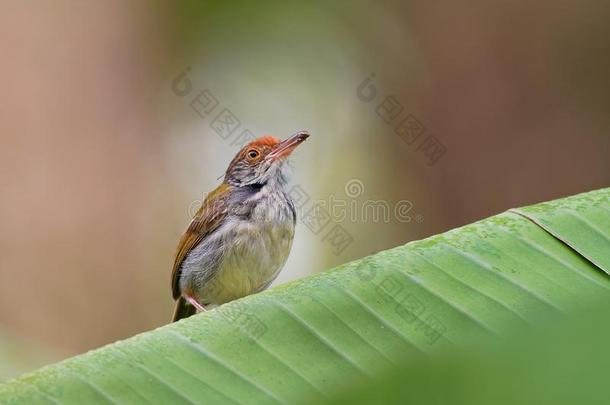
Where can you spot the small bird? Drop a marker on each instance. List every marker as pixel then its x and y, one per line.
pixel 241 236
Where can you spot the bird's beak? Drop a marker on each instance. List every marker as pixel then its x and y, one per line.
pixel 285 148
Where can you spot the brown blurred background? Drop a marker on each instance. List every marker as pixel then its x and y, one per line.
pixel 102 159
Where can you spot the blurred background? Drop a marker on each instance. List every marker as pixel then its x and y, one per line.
pixel 117 116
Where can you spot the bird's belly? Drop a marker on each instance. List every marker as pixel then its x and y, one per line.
pixel 253 255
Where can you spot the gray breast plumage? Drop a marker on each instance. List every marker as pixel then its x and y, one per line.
pixel 247 252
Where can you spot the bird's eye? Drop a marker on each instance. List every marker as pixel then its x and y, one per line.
pixel 252 154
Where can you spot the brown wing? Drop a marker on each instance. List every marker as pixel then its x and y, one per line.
pixel 208 218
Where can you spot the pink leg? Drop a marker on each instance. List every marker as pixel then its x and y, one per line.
pixel 194 303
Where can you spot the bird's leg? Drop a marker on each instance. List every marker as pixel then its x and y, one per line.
pixel 194 303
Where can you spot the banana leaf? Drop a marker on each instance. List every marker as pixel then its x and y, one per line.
pixel 311 339
pixel 560 363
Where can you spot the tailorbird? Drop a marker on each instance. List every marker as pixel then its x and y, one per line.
pixel 241 236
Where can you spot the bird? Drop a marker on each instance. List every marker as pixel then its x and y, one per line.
pixel 240 238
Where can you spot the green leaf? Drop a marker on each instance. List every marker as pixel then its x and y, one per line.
pixel 582 222
pixel 562 362
pixel 308 340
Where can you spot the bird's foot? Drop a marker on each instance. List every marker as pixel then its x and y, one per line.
pixel 194 303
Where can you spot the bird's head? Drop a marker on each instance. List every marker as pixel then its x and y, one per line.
pixel 262 160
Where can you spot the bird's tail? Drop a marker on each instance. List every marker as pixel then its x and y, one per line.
pixel 183 310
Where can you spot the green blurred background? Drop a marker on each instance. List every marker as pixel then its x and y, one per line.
pixel 102 157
